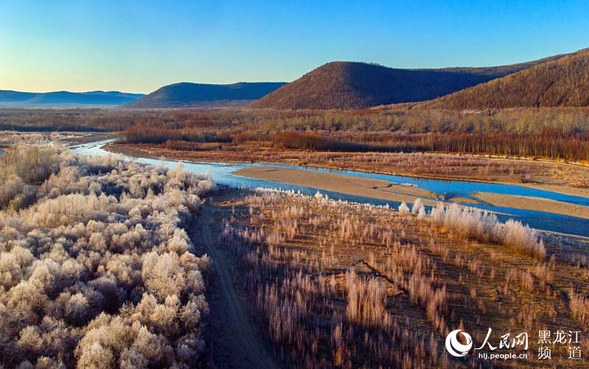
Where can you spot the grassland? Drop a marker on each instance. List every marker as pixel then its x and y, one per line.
pixel 333 284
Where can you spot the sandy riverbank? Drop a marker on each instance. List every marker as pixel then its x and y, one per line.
pixel 349 185
pixel 571 179
pixel 385 190
pixel 534 203
pixel 566 190
pixel 380 189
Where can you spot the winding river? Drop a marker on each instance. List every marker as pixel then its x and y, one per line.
pixel 223 173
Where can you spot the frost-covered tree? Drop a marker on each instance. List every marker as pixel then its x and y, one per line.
pixel 96 268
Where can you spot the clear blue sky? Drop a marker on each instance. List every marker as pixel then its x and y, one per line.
pixel 138 46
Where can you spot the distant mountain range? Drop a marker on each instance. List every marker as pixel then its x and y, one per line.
pixel 351 85
pixel 559 82
pixel 64 98
pixel 187 95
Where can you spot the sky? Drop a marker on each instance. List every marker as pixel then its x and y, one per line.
pixel 141 45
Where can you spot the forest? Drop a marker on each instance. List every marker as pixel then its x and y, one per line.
pixel 548 133
pixel 554 133
pixel 401 119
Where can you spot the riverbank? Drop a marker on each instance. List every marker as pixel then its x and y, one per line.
pixel 381 192
pixel 385 190
pixel 534 203
pixel 561 177
pixel 564 178
pixel 348 185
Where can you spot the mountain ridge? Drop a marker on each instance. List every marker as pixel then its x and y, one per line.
pixel 353 85
pixel 188 94
pixel 563 82
pixel 11 98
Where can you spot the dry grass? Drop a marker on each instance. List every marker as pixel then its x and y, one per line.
pixel 344 285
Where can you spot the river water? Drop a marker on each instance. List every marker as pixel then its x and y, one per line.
pixel 222 173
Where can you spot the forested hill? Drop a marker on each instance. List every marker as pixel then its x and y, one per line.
pixel 350 85
pixel 563 82
pixel 185 94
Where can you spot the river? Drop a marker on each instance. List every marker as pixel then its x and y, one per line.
pixel 222 173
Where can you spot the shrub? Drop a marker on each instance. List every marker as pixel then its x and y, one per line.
pixel 417 206
pixel 579 306
pixel 484 226
pixel 366 301
pixel 95 270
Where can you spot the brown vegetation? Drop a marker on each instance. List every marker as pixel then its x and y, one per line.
pixel 368 122
pixel 553 133
pixel 344 285
pixel 350 85
pixel 561 82
pixel 150 134
pixel 550 144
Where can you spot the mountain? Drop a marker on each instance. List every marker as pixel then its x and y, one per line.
pixel 205 95
pixel 555 83
pixel 10 98
pixel 501 70
pixel 349 85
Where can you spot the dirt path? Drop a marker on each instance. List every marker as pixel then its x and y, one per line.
pixel 235 343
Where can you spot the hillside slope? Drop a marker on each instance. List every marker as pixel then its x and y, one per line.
pixel 348 85
pixel 10 98
pixel 186 94
pixel 502 70
pixel 557 83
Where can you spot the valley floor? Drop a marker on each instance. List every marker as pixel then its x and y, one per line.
pixel 324 284
pixel 103 265
pixel 549 174
pixel 571 179
pixel 379 189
